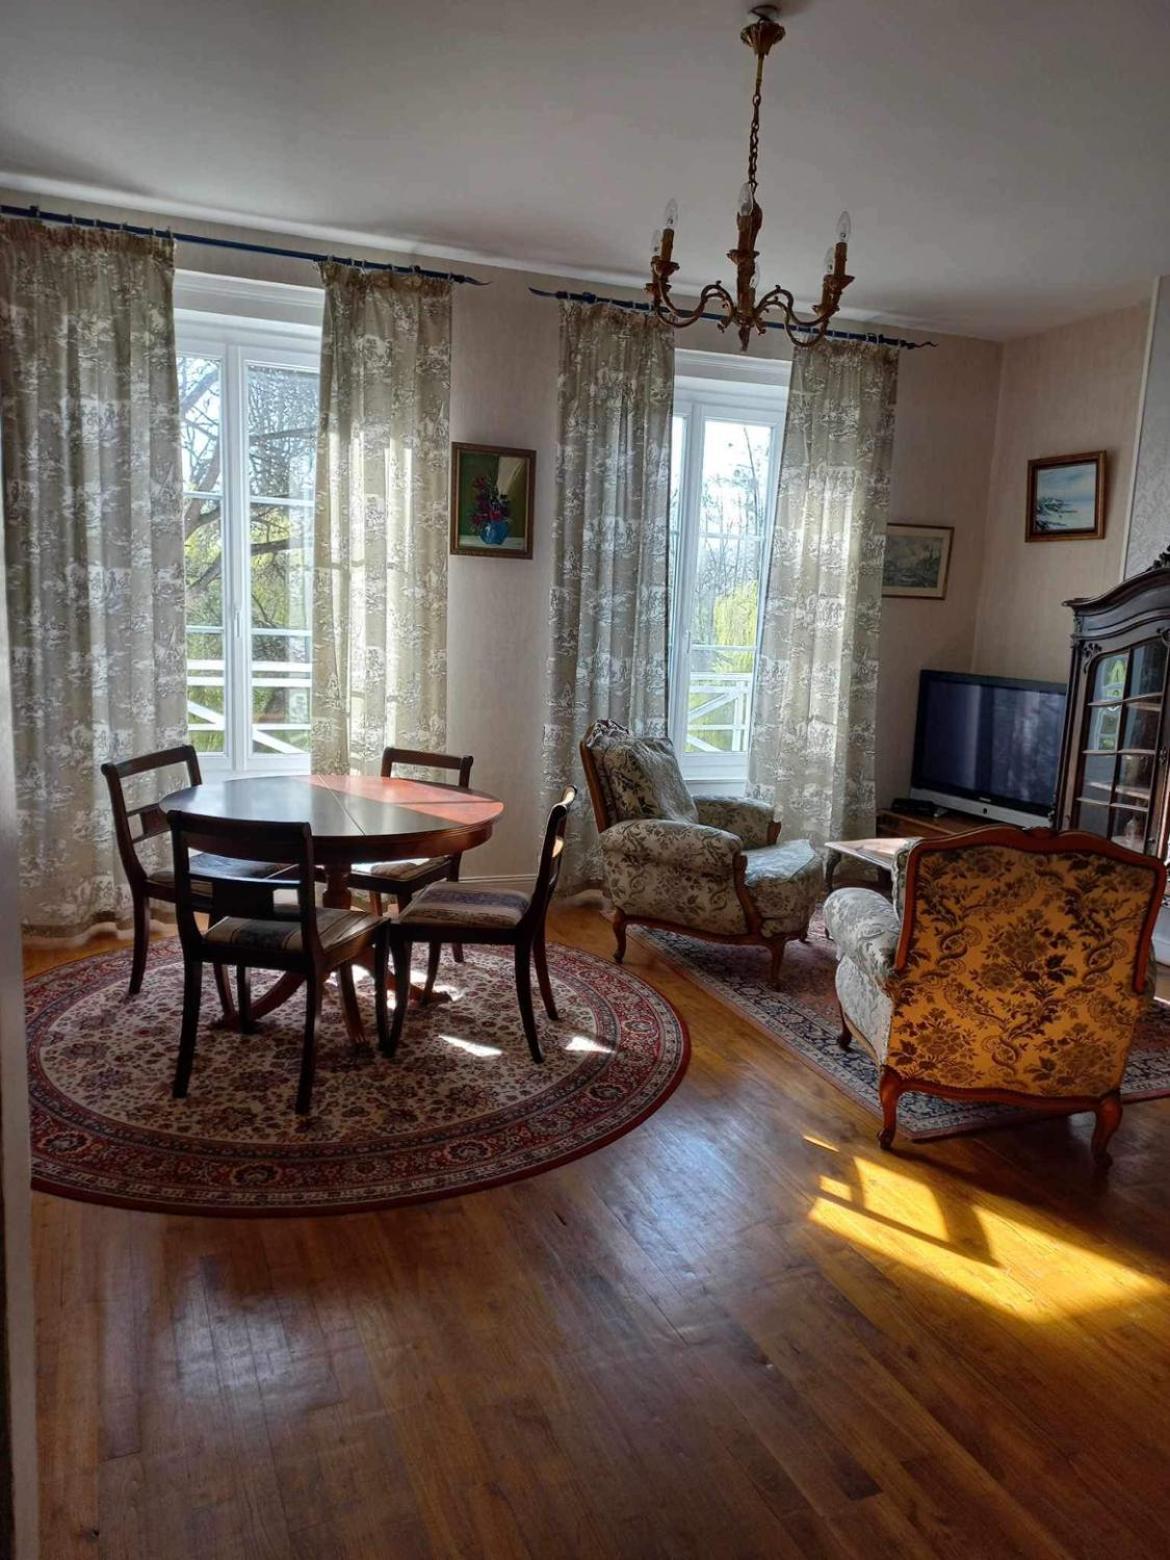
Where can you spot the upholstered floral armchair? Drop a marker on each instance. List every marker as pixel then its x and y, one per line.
pixel 1015 971
pixel 709 866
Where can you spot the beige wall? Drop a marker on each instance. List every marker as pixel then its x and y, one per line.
pixel 942 454
pixel 504 372
pixel 1068 390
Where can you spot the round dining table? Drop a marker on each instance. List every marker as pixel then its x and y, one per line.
pixel 355 819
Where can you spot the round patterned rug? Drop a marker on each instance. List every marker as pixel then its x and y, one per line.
pixel 461 1107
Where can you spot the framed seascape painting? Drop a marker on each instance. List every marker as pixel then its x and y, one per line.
pixel 1066 498
pixel 917 561
pixel 491 501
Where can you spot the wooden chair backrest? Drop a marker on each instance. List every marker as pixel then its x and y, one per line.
pixel 280 845
pixel 416 759
pixel 133 825
pixel 551 855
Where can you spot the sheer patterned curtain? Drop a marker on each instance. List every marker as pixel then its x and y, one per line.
pixel 812 747
pixel 93 538
pixel 380 532
pixel 609 596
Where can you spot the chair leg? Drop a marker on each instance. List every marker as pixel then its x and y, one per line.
pixel 375 901
pixel 776 949
pixel 1108 1115
pixel 192 996
pixel 381 1005
pixel 845 1038
pixel 244 1000
pixel 141 942
pixel 434 954
pixel 540 959
pixel 401 952
pixel 453 877
pixel 457 952
pixel 524 997
pixel 890 1090
pixel 619 935
pixel 308 1050
pixel 226 1001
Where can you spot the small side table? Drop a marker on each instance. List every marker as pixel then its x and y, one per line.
pixel 879 854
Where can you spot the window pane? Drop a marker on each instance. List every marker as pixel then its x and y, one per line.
pixel 282 432
pixel 731 522
pixel 200 405
pixel 200 383
pixel 678 455
pixel 281 563
pixel 203 550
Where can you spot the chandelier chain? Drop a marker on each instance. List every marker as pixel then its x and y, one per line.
pixel 754 138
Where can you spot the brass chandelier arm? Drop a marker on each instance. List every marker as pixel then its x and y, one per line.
pixel 666 308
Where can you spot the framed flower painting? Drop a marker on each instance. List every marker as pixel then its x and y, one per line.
pixel 491 501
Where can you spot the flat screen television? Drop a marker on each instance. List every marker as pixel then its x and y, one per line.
pixel 989 746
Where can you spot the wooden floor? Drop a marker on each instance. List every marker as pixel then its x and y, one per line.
pixel 741 1330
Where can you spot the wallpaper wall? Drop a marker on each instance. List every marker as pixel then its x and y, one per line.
pixel 1149 530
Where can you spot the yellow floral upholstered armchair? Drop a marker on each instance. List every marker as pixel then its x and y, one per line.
pixel 1016 971
pixel 709 866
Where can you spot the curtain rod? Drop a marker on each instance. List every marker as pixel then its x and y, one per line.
pixel 70 220
pixel 645 308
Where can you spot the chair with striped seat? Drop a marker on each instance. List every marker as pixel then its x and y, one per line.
pixel 250 931
pixel 480 915
pixel 134 826
pixel 401 880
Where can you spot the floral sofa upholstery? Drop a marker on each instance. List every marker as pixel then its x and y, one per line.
pixel 1015 971
pixel 710 866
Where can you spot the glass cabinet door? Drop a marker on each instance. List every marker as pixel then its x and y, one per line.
pixel 1117 765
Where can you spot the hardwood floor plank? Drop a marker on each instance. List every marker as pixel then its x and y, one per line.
pixel 738 1331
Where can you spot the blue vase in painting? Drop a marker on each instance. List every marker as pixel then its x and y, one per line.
pixel 494 532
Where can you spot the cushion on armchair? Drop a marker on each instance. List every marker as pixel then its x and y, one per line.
pixel 644 780
pixel 866 928
pixel 751 820
pixel 681 873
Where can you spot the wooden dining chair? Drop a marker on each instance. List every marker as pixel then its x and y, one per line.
pixel 443 911
pixel 248 931
pixel 133 826
pixel 401 880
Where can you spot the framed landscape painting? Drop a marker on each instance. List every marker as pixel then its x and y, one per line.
pixel 918 559
pixel 491 501
pixel 1066 498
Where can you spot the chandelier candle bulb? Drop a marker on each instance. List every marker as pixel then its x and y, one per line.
pixel 743 310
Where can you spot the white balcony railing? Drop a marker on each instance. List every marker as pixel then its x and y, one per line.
pixel 209 672
pixel 719 711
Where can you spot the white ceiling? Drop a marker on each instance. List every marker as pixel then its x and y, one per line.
pixel 1005 162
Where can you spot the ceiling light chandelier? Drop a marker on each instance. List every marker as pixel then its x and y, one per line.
pixel 743 311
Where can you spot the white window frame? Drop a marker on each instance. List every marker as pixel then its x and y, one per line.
pixel 709 384
pixel 242 323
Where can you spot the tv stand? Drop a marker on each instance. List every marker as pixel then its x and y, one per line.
pixel 900 825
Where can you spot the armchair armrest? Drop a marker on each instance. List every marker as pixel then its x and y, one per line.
pixel 693 847
pixel 866 928
pixel 744 816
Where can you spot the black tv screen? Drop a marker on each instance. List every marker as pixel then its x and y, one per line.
pixel 989 740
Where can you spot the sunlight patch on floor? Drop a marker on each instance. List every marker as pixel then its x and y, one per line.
pixel 983 1252
pixel 587 1043
pixel 473 1047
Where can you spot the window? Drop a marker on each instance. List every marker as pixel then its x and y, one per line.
pixel 248 401
pixel 725 462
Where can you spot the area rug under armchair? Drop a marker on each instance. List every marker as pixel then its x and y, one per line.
pixel 802 1016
